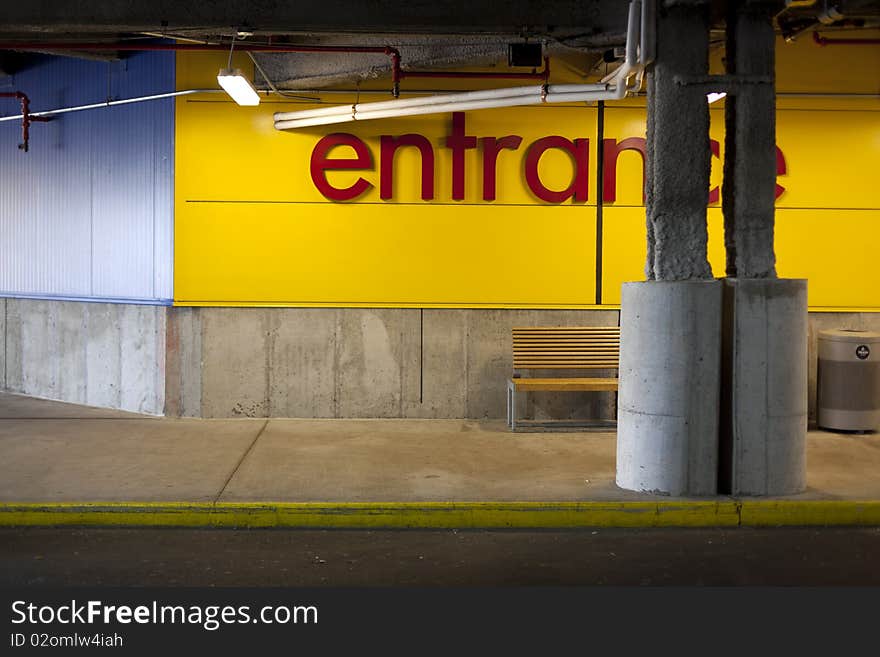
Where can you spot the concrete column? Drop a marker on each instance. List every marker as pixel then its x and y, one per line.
pixel 749 189
pixel 667 431
pixel 764 390
pixel 677 180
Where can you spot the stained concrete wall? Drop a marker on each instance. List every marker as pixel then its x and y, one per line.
pixel 99 354
pixel 279 362
pixel 3 344
pixel 329 362
pixel 293 362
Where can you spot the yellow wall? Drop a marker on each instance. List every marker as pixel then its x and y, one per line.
pixel 252 229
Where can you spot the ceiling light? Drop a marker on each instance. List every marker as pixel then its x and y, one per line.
pixel 238 86
pixel 712 97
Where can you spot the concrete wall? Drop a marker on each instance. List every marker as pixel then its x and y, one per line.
pixel 100 354
pixel 294 362
pixel 280 362
pixel 329 362
pixel 3 344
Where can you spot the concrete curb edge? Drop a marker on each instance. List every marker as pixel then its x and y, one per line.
pixel 445 515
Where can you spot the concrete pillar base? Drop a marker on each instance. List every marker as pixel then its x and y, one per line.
pixel 667 432
pixel 764 395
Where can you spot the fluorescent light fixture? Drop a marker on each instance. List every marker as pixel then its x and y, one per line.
pixel 238 87
pixel 712 97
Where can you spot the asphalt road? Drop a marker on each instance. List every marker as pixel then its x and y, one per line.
pixel 683 557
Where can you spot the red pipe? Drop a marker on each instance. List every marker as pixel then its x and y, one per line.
pixel 26 118
pixel 825 41
pixel 396 73
pixel 539 75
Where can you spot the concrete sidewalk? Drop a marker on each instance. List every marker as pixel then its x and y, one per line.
pixel 68 464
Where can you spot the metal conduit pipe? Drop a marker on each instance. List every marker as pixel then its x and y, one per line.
pixel 108 103
pixel 615 86
pixel 448 103
pixel 418 102
pixel 438 108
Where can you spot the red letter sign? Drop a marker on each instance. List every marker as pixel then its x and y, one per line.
pixel 580 184
pixel 780 170
pixel 458 142
pixel 389 146
pixel 321 163
pixel 610 152
pixel 715 192
pixel 491 148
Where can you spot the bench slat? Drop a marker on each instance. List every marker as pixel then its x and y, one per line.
pixel 565 329
pixel 567 334
pixel 551 358
pixel 567 345
pixel 573 354
pixel 568 366
pixel 562 384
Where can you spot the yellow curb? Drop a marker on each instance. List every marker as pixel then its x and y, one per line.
pixel 445 515
pixel 812 513
pixel 424 515
pixel 488 515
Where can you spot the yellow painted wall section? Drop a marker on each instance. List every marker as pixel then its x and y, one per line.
pixel 251 228
pixel 827 217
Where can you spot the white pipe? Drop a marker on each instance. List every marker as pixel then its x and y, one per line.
pixel 367 111
pixel 360 108
pixel 365 115
pixel 575 88
pixel 647 46
pixel 613 87
pixel 632 31
pixel 467 100
pixel 111 103
pixel 631 60
pixel 455 106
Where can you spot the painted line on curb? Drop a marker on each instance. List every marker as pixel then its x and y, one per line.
pixel 446 515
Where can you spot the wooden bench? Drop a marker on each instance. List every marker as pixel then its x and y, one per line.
pixel 562 348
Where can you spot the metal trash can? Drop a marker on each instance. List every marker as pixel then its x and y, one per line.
pixel 849 380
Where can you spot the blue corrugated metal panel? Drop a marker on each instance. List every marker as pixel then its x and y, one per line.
pixel 88 212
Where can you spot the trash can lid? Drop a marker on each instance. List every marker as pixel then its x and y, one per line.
pixel 850 335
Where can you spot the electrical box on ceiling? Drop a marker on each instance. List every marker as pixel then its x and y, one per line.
pixel 525 54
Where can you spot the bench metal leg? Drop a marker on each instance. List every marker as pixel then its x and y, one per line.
pixel 511 406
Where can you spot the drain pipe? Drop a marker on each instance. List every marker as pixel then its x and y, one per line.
pixel 615 86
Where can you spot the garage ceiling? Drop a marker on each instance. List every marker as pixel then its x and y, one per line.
pixel 429 34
